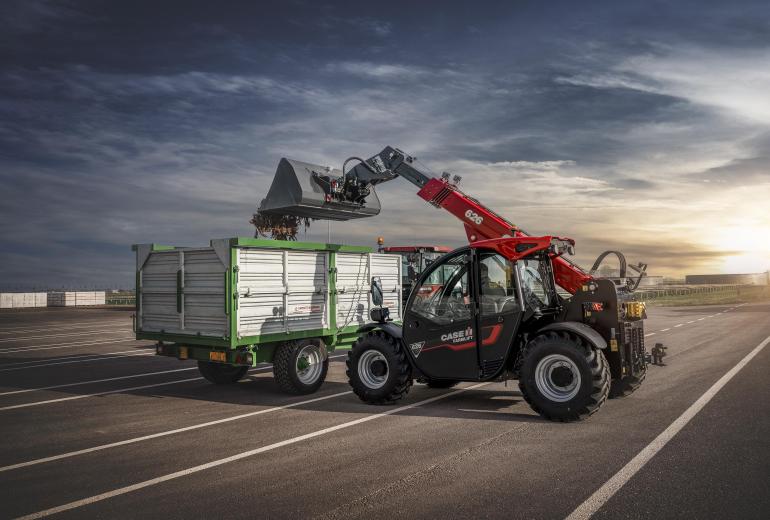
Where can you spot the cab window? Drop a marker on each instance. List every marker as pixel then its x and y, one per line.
pixel 444 296
pixel 497 287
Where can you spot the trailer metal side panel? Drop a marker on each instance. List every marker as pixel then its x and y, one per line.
pixel 307 275
pixel 203 294
pixel 352 289
pixel 260 291
pixel 158 292
pixel 281 291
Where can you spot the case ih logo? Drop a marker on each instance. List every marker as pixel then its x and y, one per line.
pixel 458 336
pixel 416 348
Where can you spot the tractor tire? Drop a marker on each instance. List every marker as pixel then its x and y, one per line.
pixel 441 383
pixel 378 370
pixel 627 385
pixel 220 373
pixel 563 378
pixel 300 367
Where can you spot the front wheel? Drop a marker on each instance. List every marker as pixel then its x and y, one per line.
pixel 220 373
pixel 378 370
pixel 563 378
pixel 300 367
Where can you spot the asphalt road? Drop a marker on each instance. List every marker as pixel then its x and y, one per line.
pixel 95 426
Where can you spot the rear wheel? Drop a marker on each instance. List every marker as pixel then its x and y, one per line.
pixel 220 373
pixel 300 367
pixel 563 378
pixel 378 370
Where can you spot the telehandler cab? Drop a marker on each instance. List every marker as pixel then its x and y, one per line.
pixel 496 315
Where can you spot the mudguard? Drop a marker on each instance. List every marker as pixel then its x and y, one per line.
pixel 389 327
pixel 581 329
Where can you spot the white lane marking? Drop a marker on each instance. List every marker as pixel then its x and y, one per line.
pixel 604 493
pixel 646 336
pixel 107 356
pixel 678 325
pixel 107 392
pixel 166 433
pixel 238 456
pixel 65 324
pixel 57 346
pixel 711 316
pixel 93 381
pixel 693 321
pixel 66 334
pixel 64 358
pixel 117 391
pixel 701 319
pixel 80 328
pixel 665 330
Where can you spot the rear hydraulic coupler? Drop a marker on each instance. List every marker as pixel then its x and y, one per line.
pixel 657 353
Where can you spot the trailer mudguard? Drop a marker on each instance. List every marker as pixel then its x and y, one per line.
pixel 389 327
pixel 581 329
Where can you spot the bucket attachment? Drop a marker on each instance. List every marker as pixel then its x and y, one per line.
pixel 305 190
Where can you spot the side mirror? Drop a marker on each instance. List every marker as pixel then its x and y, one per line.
pixel 377 295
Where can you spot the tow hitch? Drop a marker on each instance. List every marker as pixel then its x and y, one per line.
pixel 656 355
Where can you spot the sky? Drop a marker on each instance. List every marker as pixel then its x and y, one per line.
pixel 637 126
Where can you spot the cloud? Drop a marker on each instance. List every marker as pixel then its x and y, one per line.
pixel 728 80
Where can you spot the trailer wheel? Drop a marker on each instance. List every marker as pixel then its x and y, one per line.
pixel 220 373
pixel 563 378
pixel 378 370
pixel 300 367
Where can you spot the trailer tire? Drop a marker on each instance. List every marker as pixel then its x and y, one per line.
pixel 300 367
pixel 562 377
pixel 378 370
pixel 221 373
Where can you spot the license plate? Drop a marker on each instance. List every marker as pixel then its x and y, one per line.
pixel 218 356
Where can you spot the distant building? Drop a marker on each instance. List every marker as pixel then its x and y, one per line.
pixel 651 281
pixel 737 279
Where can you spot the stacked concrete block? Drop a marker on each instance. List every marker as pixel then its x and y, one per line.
pixel 75 298
pixel 22 300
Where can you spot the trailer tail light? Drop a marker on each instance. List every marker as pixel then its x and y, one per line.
pixel 220 357
pixel 596 306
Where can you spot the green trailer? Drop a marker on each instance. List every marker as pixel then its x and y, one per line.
pixel 242 301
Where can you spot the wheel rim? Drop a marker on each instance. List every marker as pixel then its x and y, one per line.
pixel 373 369
pixel 309 364
pixel 558 378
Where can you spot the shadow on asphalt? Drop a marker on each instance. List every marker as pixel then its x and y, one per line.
pixel 260 390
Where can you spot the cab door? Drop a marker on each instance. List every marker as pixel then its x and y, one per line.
pixel 500 311
pixel 440 319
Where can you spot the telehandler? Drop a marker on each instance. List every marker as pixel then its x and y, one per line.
pixel 497 314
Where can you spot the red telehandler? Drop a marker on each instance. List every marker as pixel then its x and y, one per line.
pixel 497 314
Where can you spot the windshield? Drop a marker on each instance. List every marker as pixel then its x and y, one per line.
pixel 534 276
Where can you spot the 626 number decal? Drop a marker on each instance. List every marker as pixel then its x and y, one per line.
pixel 474 217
